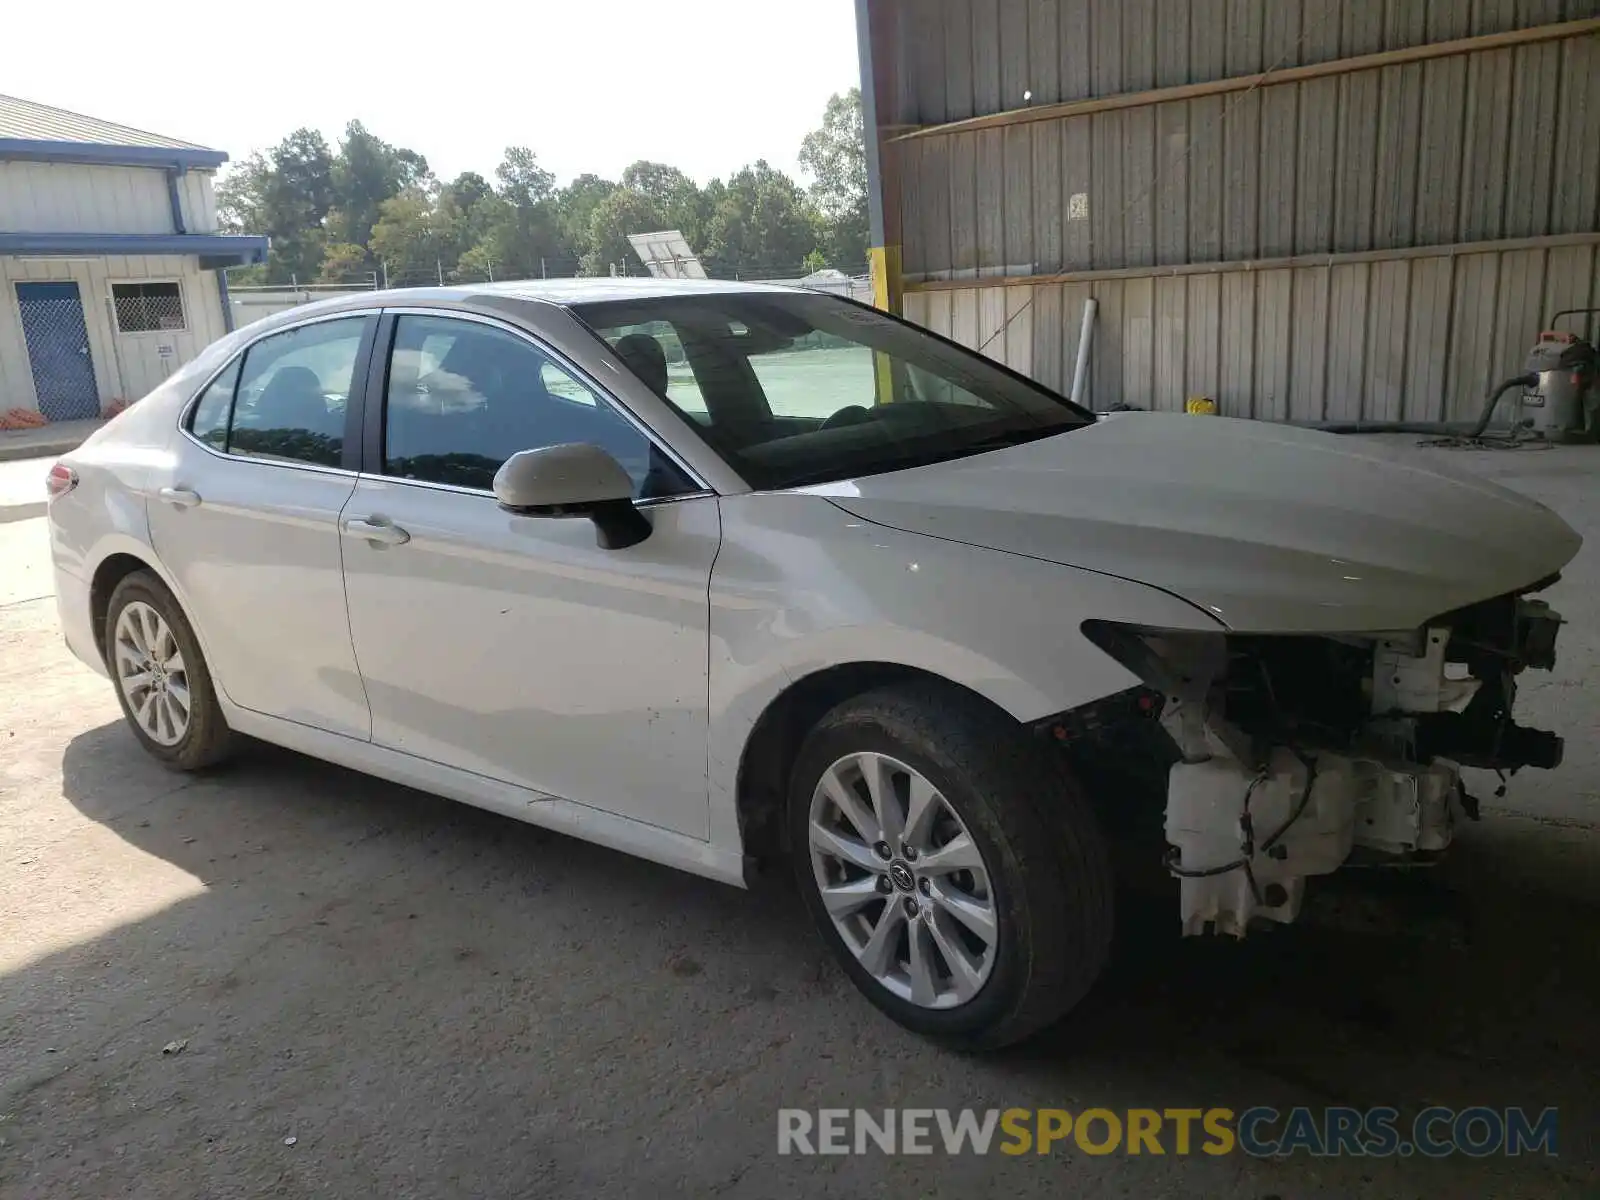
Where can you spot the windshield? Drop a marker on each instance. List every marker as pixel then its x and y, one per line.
pixel 804 388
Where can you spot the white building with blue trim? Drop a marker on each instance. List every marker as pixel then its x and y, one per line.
pixel 110 260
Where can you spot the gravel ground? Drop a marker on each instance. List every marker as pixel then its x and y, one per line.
pixel 434 1002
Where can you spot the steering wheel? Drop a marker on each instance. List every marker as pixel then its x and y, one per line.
pixel 850 414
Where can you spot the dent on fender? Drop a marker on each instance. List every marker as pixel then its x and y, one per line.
pixel 128 515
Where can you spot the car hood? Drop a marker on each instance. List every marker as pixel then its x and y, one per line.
pixel 1271 528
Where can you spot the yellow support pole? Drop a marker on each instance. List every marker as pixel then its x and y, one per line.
pixel 884 263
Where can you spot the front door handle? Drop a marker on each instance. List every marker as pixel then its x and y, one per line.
pixel 179 497
pixel 376 530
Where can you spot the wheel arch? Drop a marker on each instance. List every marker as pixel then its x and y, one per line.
pixel 774 741
pixel 117 559
pixel 113 569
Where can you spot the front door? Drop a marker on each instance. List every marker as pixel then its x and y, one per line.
pixel 247 521
pixel 58 350
pixel 516 647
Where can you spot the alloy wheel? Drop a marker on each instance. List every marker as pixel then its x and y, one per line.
pixel 151 673
pixel 903 881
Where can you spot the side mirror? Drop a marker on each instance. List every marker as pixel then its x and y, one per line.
pixel 573 480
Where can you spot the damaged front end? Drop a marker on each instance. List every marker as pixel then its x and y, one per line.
pixel 1287 756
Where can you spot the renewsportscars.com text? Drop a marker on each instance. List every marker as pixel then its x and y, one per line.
pixel 1261 1132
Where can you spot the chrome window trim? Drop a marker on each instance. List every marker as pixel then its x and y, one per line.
pixel 602 394
pixel 187 411
pixel 488 493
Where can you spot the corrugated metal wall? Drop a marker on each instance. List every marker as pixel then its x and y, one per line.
pixel 963 58
pixel 1459 151
pixel 1416 338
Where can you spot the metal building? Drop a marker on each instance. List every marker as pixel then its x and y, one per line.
pixel 1306 209
pixel 109 259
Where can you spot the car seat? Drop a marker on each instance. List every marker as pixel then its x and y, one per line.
pixel 293 399
pixel 643 355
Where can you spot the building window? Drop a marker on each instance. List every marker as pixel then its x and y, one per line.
pixel 147 307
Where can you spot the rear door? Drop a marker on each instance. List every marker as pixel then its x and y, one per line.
pixel 248 522
pixel 515 647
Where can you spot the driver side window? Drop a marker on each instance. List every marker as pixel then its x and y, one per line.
pixel 462 397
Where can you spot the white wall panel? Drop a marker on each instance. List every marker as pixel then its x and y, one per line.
pixel 69 198
pixel 126 365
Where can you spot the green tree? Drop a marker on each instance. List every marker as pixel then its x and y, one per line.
pixel 520 226
pixel 478 263
pixel 296 195
pixel 333 215
pixel 466 191
pixel 575 205
pixel 761 224
pixel 466 212
pixel 343 262
pixel 656 182
pixel 835 156
pixel 522 180
pixel 411 238
pixel 682 204
pixel 367 173
pixel 242 195
pixel 623 212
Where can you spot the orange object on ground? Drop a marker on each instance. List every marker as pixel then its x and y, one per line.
pixel 22 418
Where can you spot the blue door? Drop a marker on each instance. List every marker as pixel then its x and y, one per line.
pixel 58 350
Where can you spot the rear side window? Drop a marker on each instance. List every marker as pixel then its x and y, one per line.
pixel 287 397
pixel 209 421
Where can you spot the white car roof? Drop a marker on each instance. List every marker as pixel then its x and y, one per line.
pixel 601 288
pixel 562 292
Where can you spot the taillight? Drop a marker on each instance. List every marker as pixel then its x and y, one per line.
pixel 61 480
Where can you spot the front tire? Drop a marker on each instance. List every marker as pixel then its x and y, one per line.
pixel 951 865
pixel 161 677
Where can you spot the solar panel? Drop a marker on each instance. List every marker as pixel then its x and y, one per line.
pixel 666 255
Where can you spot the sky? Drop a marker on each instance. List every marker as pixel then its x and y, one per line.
pixel 588 85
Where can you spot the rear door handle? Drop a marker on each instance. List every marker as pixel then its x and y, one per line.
pixel 375 530
pixel 179 497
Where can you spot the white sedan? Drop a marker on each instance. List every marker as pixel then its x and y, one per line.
pixel 714 573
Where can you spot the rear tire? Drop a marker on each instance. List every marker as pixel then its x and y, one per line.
pixel 981 956
pixel 161 677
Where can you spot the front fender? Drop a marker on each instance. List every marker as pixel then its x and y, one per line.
pixel 801 586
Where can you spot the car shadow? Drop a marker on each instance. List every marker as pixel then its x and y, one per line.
pixel 427 995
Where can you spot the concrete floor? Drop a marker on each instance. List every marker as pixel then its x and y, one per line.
pixel 55 438
pixel 433 1001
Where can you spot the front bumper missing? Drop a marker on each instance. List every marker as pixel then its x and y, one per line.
pixel 1284 755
